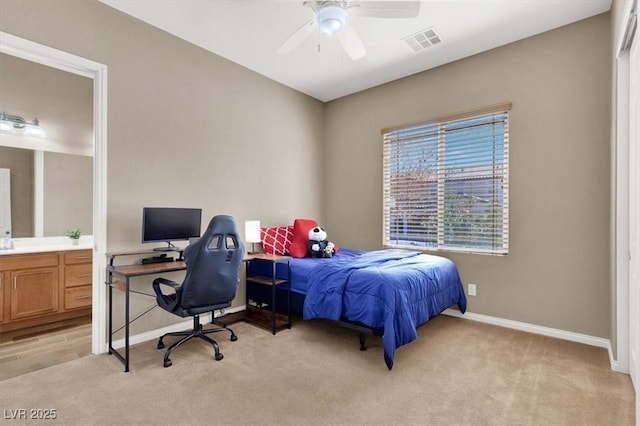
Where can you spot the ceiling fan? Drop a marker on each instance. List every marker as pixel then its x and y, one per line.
pixel 331 17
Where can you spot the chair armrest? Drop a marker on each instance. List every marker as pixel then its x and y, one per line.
pixel 156 285
pixel 159 295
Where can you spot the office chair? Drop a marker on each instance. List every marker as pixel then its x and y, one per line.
pixel 213 268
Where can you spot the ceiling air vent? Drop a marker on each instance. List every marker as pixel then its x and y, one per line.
pixel 423 39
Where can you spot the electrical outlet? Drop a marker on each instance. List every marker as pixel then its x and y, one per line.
pixel 472 290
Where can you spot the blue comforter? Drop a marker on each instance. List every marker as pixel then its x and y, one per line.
pixel 394 290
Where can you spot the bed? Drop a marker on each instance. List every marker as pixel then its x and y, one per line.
pixel 386 292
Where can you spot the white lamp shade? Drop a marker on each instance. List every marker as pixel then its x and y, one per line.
pixel 252 231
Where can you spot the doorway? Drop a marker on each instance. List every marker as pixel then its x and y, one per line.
pixel 35 52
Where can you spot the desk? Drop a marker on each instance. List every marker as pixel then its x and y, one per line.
pixel 118 277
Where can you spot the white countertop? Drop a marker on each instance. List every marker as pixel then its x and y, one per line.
pixel 47 244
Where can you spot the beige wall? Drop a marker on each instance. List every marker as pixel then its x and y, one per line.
pixel 557 271
pixel 185 127
pixel 68 193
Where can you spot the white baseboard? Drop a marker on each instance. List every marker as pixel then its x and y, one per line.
pixel 501 322
pixel 537 329
pixel 154 334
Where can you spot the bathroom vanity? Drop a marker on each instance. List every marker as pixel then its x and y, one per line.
pixel 44 284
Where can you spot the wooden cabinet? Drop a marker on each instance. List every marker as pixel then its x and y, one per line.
pixel 77 279
pixel 78 297
pixel 34 292
pixel 44 287
pixel 31 285
pixel 77 256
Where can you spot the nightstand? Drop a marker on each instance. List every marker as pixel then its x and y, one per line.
pixel 267 273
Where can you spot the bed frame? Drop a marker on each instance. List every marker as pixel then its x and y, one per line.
pixel 297 304
pixel 263 296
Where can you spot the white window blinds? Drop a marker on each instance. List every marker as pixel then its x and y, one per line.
pixel 445 183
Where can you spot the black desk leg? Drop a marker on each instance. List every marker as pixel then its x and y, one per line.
pixel 110 314
pixel 112 350
pixel 126 325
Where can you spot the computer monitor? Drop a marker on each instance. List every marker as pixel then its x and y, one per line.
pixel 167 224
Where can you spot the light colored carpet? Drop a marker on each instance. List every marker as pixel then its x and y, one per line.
pixel 456 373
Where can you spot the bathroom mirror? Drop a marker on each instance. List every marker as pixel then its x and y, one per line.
pixel 51 178
pixel 50 192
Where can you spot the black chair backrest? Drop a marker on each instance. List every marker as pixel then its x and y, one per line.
pixel 213 265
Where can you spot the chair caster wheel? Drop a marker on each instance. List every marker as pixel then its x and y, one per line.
pixel 219 357
pixel 234 337
pixel 160 345
pixel 167 363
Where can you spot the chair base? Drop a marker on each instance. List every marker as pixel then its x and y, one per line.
pixel 196 332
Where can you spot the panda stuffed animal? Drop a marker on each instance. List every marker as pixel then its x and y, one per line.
pixel 318 244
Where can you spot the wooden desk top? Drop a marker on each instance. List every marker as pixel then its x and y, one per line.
pixel 138 269
pixel 147 269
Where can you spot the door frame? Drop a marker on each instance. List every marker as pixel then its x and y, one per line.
pixel 622 213
pixel 45 55
pixel 633 49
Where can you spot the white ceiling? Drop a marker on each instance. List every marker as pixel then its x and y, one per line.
pixel 249 32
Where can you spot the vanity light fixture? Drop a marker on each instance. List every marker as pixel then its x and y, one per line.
pixel 12 123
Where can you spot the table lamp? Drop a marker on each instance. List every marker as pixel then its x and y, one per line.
pixel 252 233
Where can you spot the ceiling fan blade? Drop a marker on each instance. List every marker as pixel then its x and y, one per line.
pixel 387 9
pixel 298 37
pixel 351 42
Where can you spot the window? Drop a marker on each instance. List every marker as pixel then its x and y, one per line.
pixel 446 183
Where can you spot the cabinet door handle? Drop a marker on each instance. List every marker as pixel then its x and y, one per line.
pixel 83 275
pixel 83 297
pixel 0 282
pixel 83 257
pixel 15 283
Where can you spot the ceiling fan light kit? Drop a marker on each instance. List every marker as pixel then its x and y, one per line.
pixel 331 19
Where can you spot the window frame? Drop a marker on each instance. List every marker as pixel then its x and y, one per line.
pixel 500 244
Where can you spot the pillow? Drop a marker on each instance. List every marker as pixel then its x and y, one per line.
pixel 301 228
pixel 276 240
